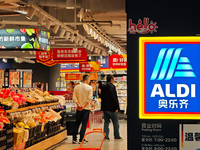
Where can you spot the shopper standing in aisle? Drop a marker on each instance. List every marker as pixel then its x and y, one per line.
pixel 82 96
pixel 110 107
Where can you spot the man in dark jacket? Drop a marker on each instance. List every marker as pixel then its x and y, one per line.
pixel 110 107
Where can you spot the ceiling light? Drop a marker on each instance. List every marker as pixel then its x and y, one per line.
pixel 48 24
pixel 89 46
pixel 93 33
pixel 72 38
pixel 95 50
pixel 85 26
pixel 4 60
pixel 31 52
pixel 70 4
pixel 98 52
pixel 96 36
pixel 31 13
pixel 62 32
pixel 80 42
pixel 55 29
pixel 92 47
pixel 76 40
pixel 89 57
pixel 67 35
pixel 85 44
pixel 52 42
pixel 41 19
pixel 90 31
pixel 99 38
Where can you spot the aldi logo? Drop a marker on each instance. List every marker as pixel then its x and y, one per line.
pixel 176 65
pixel 169 75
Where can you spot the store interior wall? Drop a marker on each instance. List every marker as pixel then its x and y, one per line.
pixel 40 71
pixel 54 74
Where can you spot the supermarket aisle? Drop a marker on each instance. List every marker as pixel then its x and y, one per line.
pixel 107 145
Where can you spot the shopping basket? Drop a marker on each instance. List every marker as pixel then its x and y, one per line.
pixel 96 131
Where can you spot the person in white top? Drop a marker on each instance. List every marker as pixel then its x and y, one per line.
pixel 82 96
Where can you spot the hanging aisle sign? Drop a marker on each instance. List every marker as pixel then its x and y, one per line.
pixel 169 78
pixel 118 61
pixel 69 55
pixel 89 67
pixel 45 57
pixel 24 39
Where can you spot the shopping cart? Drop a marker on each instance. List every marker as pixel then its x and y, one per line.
pixel 96 131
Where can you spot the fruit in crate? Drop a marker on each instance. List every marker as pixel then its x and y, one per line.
pixel 20 124
pixel 8 101
pixel 4 120
pixel 46 93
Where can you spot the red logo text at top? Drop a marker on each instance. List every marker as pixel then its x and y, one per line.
pixel 142 28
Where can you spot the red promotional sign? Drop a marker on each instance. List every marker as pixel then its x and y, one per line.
pixel 45 57
pixel 118 61
pixel 72 77
pixel 89 67
pixel 70 55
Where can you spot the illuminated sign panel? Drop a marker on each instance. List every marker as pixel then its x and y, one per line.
pixel 169 77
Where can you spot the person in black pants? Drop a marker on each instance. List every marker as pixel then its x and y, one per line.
pixel 82 96
pixel 110 107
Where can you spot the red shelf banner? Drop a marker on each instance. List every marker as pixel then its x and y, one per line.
pixel 118 61
pixel 89 67
pixel 70 55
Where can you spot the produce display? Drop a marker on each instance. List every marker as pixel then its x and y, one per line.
pixel 14 99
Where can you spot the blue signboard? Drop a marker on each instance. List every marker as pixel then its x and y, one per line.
pixel 104 61
pixel 170 78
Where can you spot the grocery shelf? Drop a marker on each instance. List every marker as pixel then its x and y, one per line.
pixel 31 107
pixel 49 141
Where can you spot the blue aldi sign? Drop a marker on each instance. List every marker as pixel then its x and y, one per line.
pixel 169 72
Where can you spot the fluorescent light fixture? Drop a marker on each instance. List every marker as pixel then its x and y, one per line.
pixel 98 52
pixel 85 26
pixel 95 50
pixel 85 44
pixel 31 52
pixel 52 42
pixel 31 13
pixel 72 38
pixel 62 32
pixel 55 29
pixel 48 24
pixel 41 19
pixel 80 42
pixel 76 40
pixel 67 35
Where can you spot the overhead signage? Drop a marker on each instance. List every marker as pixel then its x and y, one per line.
pixel 45 57
pixel 142 27
pixel 70 55
pixel 104 61
pixel 22 39
pixel 169 77
pixel 69 67
pixel 118 61
pixel 89 67
pixel 72 77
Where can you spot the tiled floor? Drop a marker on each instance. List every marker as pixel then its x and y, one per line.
pixel 94 140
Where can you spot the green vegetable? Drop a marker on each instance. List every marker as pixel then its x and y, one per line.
pixel 36 44
pixel 26 45
pixel 10 30
pixel 30 31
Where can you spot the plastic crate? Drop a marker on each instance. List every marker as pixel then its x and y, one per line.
pixel 2 132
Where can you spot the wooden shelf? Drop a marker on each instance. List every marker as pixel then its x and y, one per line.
pixel 49 142
pixel 31 107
